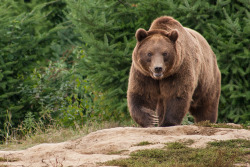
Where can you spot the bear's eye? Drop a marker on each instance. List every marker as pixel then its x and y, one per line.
pixel 165 54
pixel 149 54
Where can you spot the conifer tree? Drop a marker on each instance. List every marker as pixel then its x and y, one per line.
pixel 29 38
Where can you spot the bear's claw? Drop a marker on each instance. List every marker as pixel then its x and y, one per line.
pixel 155 121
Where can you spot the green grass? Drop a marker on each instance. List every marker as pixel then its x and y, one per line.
pixel 219 154
pixel 188 142
pixel 175 145
pixel 143 143
pixel 231 143
pixel 117 152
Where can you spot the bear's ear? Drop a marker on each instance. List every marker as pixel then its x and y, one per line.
pixel 173 35
pixel 141 34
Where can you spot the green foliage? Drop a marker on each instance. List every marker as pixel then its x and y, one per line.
pixel 58 91
pixel 107 30
pixel 29 38
pixel 12 67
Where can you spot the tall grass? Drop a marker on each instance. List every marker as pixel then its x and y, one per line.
pixel 23 137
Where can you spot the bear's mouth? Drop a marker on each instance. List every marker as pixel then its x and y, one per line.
pixel 157 75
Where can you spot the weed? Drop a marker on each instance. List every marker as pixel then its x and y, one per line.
pixel 4 159
pixel 7 126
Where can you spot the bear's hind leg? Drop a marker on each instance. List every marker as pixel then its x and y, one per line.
pixel 175 110
pixel 207 107
pixel 205 112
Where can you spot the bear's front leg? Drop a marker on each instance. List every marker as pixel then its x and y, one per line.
pixel 140 111
pixel 160 110
pixel 175 109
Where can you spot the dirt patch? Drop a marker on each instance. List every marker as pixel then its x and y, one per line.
pixel 108 144
pixel 205 131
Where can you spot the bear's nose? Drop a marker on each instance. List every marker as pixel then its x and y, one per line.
pixel 158 69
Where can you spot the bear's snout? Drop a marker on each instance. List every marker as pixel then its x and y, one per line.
pixel 158 69
pixel 157 66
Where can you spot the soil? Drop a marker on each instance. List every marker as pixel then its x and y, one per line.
pixel 114 143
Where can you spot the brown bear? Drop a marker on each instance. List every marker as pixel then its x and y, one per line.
pixel 174 71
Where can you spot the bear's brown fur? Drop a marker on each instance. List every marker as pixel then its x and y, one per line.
pixel 173 71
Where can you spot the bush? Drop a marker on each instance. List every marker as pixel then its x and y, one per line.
pixel 58 92
pixel 107 31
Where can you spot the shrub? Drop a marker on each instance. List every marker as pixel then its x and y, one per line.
pixel 58 92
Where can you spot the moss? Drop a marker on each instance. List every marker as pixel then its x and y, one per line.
pixel 219 154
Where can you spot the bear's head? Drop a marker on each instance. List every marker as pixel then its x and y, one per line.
pixel 156 52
